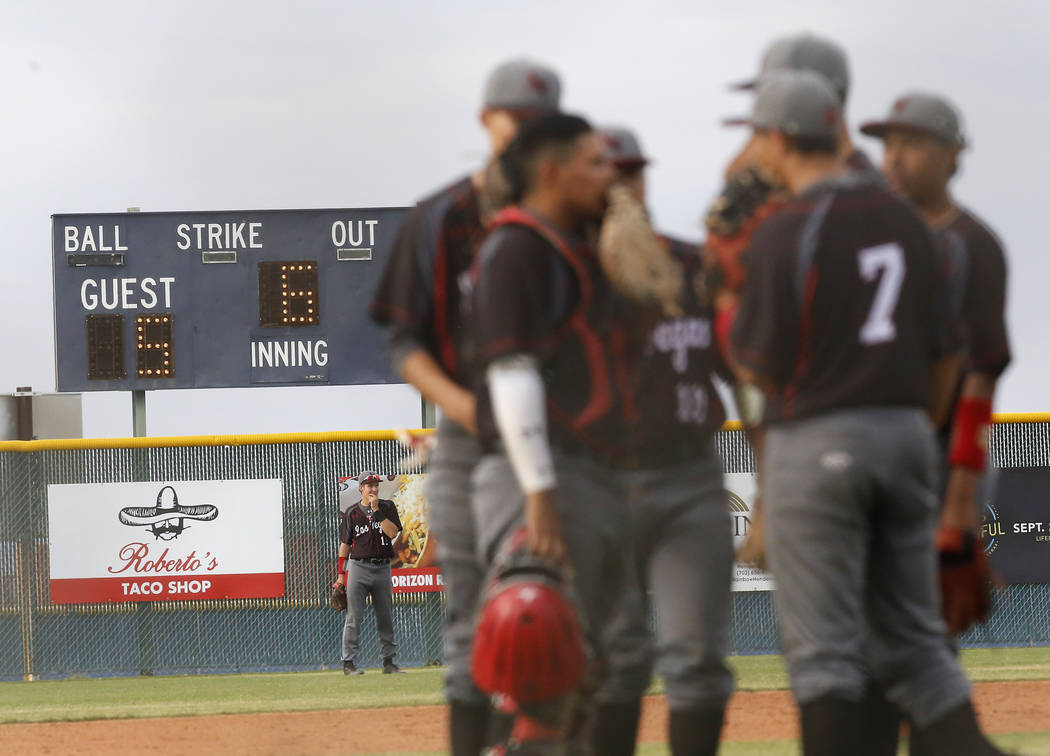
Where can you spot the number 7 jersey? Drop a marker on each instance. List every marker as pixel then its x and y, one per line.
pixel 847 302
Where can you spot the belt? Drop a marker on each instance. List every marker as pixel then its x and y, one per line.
pixel 370 561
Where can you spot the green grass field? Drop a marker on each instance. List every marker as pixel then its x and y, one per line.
pixel 118 698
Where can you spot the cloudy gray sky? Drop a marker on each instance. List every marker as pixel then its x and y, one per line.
pixel 195 105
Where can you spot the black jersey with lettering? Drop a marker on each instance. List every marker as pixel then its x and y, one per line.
pixel 539 293
pixel 667 371
pixel 365 537
pixel 846 304
pixel 419 294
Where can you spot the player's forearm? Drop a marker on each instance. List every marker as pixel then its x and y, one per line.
pixel 980 386
pixel 344 550
pixel 519 407
pixel 420 369
pixel 389 529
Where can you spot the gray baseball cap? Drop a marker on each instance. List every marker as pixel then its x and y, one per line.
pixel 522 86
pixel 805 52
pixel 797 103
pixel 624 147
pixel 923 112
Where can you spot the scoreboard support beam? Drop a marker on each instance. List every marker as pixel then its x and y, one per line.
pixel 138 413
pixel 429 414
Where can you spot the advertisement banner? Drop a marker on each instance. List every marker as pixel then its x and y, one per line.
pixel 1016 525
pixel 413 548
pixel 742 490
pixel 417 580
pixel 157 541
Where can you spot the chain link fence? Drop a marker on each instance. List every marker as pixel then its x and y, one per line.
pixel 299 630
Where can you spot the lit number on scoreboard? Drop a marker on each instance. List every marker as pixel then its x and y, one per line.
pixel 105 347
pixel 154 346
pixel 288 293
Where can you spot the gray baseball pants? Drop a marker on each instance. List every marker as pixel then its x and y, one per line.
pixel 596 529
pixel 683 543
pixel 851 506
pixel 451 522
pixel 364 579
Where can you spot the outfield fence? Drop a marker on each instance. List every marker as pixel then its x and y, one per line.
pixel 299 631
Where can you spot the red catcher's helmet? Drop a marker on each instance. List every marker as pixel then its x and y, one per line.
pixel 528 644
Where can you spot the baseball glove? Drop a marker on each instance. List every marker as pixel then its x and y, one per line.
pixel 748 198
pixel 965 579
pixel 637 262
pixel 339 598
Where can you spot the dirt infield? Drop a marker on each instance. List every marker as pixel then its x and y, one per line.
pixel 767 715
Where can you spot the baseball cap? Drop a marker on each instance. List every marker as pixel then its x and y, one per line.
pixel 923 112
pixel 624 147
pixel 368 477
pixel 805 52
pixel 797 103
pixel 522 86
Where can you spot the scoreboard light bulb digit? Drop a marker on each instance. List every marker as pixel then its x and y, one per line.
pixel 154 357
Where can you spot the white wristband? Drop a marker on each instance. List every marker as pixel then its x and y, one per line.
pixel 519 405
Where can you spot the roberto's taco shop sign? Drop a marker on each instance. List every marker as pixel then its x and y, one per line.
pixel 165 541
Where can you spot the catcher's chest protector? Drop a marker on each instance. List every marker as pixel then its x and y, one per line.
pixel 585 402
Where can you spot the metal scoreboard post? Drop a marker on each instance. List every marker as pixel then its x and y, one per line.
pixel 147 301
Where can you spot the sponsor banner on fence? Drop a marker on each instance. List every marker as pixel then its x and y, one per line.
pixel 1016 524
pixel 742 489
pixel 417 580
pixel 413 548
pixel 165 541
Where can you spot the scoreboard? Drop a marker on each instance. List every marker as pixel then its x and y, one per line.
pixel 147 301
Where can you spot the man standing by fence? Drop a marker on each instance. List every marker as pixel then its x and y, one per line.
pixel 366 536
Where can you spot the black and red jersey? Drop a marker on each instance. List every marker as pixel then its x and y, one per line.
pixel 668 365
pixel 419 295
pixel 539 292
pixel 365 536
pixel 624 383
pixel 847 303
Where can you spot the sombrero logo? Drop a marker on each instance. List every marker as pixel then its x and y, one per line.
pixel 167 518
pixel 991 528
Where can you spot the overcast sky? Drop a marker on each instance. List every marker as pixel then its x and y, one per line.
pixel 218 105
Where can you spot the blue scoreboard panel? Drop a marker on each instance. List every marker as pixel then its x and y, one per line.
pixel 147 301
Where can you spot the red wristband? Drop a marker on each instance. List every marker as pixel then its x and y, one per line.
pixel 969 446
pixel 342 565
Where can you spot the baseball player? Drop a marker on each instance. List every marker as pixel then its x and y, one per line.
pixel 550 407
pixel 808 52
pixel 679 511
pixel 366 536
pixel 922 139
pixel 845 323
pixel 418 300
pixel 747 199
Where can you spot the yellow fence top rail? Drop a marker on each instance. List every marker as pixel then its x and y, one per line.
pixel 248 439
